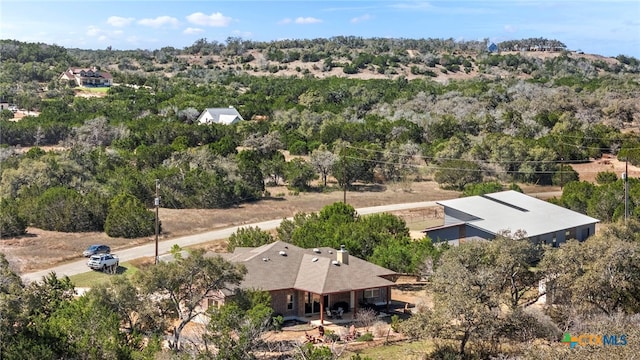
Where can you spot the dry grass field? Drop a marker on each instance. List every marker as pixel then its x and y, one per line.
pixel 40 249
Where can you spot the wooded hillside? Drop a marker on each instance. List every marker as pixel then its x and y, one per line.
pixel 348 113
pixel 353 110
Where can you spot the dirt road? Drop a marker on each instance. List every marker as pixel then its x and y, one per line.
pixel 164 247
pixel 148 250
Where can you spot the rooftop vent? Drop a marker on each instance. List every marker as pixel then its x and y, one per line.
pixel 314 259
pixel 316 250
pixel 283 253
pixel 343 255
pixel 336 262
pixel 265 259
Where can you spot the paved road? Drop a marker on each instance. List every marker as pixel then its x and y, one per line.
pixel 164 246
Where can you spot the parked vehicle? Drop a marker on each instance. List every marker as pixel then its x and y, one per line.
pixel 96 249
pixel 103 261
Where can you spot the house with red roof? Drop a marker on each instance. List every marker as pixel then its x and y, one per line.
pixel 88 77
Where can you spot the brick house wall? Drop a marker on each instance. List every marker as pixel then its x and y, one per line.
pixel 280 304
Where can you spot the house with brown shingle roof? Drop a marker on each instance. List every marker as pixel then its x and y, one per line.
pixel 88 77
pixel 308 282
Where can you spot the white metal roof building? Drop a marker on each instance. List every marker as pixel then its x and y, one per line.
pixel 225 116
pixel 488 215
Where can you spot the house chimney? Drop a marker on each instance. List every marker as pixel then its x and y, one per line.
pixel 343 255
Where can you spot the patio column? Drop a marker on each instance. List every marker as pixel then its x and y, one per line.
pixel 321 310
pixel 388 296
pixel 355 304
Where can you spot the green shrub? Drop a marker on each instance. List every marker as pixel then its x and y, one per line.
pixel 365 337
pixel 331 336
pixel 277 322
pixel 395 323
pixel 11 222
pixel 129 218
pixel 298 148
pixel 62 209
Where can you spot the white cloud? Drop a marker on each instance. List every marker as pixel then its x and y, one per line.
pixel 93 31
pixel 307 20
pixel 103 35
pixel 416 5
pixel 242 34
pixel 190 31
pixel 215 19
pixel 118 21
pixel 159 21
pixel 362 18
pixel 133 40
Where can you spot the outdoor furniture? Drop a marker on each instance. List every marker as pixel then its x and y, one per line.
pixel 341 304
pixel 406 309
pixel 339 313
pixel 329 313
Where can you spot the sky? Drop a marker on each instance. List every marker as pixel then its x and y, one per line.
pixel 608 28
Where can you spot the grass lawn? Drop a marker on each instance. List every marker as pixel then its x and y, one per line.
pixel 101 89
pixel 93 278
pixel 404 350
pixel 418 225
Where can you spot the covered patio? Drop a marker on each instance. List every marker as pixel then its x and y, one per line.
pixel 341 307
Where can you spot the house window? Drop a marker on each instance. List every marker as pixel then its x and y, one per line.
pixel 290 302
pixel 371 293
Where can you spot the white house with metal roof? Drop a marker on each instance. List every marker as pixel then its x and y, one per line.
pixel 225 116
pixel 485 216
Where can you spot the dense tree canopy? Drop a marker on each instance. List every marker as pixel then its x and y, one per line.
pixel 524 128
pixel 507 118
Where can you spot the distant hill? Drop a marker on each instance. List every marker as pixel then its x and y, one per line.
pixel 416 65
pixel 343 56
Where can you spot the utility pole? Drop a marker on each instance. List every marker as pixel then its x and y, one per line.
pixel 156 202
pixel 344 194
pixel 625 178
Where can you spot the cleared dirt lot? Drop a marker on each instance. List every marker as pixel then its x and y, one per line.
pixel 588 171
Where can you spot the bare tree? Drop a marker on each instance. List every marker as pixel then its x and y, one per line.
pixel 264 144
pixel 366 318
pixel 323 160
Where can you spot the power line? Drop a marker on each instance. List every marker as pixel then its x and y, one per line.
pixel 436 167
pixel 481 161
pixel 596 148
